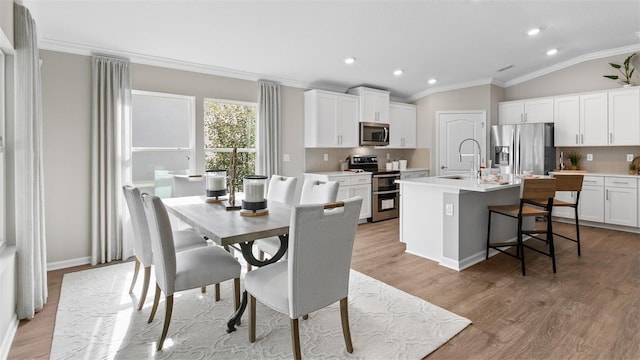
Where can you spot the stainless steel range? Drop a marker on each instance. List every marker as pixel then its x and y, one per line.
pixel 385 193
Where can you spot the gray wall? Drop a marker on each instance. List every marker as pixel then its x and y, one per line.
pixel 66 80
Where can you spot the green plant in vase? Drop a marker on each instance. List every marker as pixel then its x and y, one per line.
pixel 574 159
pixel 633 169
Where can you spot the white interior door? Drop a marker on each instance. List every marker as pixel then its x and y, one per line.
pixel 453 128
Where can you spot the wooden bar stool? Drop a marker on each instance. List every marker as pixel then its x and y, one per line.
pixel 532 191
pixel 571 183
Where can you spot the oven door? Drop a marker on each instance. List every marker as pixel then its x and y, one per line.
pixel 386 205
pixel 385 182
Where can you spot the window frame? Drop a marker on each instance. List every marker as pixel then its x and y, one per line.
pixel 3 199
pixel 191 150
pixel 228 150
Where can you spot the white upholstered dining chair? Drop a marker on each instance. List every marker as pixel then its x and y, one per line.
pixel 184 270
pixel 183 240
pixel 313 192
pixel 316 273
pixel 187 185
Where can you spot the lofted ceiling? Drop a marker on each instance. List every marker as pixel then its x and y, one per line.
pixel 304 43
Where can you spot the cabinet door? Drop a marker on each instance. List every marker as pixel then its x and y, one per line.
pixel 567 121
pixel 348 121
pixel 511 112
pixel 343 192
pixel 624 115
pixel 592 203
pixel 409 122
pixel 363 191
pixel 327 120
pixel 538 110
pixel 593 119
pixel 396 130
pixel 621 206
pixel 381 107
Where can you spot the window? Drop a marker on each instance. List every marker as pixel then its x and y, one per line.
pixel 162 140
pixel 229 124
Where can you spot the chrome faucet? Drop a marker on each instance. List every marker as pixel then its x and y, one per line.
pixel 460 155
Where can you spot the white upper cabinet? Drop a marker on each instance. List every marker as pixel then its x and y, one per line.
pixel 374 104
pixel 593 119
pixel 331 119
pixel 402 125
pixel 567 121
pixel 624 117
pixel 526 111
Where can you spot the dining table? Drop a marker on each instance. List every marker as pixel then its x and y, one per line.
pixel 228 228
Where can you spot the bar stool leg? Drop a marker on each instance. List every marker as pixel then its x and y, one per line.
pixel 520 247
pixel 552 250
pixel 577 229
pixel 488 235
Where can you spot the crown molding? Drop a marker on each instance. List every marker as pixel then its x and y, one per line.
pixel 81 49
pixel 480 82
pixel 587 57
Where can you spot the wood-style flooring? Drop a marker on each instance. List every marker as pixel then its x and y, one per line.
pixel 590 309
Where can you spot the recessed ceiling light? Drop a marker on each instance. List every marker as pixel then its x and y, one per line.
pixel 349 60
pixel 552 52
pixel 398 72
pixel 533 32
pixel 432 81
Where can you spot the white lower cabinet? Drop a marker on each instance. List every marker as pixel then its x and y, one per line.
pixel 592 203
pixel 621 201
pixel 350 185
pixel 564 211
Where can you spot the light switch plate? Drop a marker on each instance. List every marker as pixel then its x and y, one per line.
pixel 629 157
pixel 326 157
pixel 449 209
pixel 286 157
pixel 589 157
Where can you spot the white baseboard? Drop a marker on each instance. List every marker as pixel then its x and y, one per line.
pixel 10 333
pixel 68 263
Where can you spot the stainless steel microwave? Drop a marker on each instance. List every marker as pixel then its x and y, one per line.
pixel 374 134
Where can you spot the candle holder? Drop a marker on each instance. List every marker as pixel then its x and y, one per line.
pixel 216 181
pixel 254 203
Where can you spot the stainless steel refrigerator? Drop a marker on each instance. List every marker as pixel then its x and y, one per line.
pixel 525 147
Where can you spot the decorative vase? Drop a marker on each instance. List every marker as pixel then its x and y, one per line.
pixel 573 167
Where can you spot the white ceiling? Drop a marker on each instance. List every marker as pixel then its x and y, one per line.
pixel 304 43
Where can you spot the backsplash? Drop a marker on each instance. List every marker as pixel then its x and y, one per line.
pixel 314 157
pixel 609 159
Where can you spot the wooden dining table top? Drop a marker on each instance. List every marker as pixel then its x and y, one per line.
pixel 228 227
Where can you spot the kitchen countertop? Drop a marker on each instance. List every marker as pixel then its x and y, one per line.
pixel 338 173
pixel 414 169
pixel 463 183
pixel 594 174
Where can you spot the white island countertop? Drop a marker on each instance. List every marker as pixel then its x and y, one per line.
pixel 462 183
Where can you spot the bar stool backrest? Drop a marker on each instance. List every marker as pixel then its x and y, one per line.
pixel 538 189
pixel 569 182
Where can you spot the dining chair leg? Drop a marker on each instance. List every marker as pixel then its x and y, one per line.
pixel 236 298
pixel 295 339
pixel 145 286
pixel 552 250
pixel 344 316
pixel 252 319
pixel 204 290
pixel 577 230
pixel 305 317
pixel 217 289
pixel 167 320
pixel 136 269
pixel 156 300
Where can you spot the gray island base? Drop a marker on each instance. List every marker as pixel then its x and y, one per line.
pixel 444 219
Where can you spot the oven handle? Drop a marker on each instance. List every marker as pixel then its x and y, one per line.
pixel 385 192
pixel 387 176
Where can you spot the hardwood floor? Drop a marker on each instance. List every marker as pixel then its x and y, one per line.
pixel 590 309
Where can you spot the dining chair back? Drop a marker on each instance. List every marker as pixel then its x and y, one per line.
pixel 188 185
pixel 316 273
pixel 184 239
pixel 532 192
pixel 282 189
pixel 184 270
pixel 313 192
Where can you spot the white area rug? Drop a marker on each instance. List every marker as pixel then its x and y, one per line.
pixel 96 320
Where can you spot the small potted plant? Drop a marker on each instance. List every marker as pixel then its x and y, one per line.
pixel 632 168
pixel 574 159
pixel 626 74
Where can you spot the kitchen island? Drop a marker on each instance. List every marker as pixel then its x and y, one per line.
pixel 444 219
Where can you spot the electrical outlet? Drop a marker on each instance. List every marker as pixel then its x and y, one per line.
pixel 589 157
pixel 286 157
pixel 326 157
pixel 629 157
pixel 449 209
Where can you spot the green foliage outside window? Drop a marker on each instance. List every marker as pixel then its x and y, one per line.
pixel 229 125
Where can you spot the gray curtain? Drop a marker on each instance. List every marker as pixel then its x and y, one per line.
pixel 268 161
pixel 110 111
pixel 28 177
